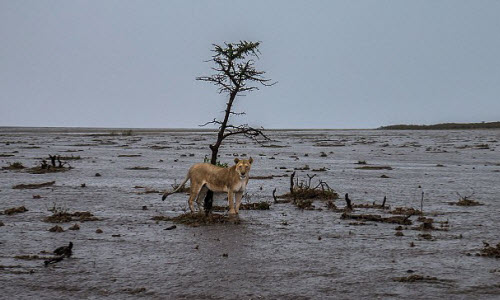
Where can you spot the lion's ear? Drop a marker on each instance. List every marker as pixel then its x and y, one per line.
pixel 236 160
pixel 250 160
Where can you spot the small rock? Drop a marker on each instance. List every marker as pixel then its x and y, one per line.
pixel 144 207
pixel 37 196
pixel 97 175
pixel 98 230
pixel 319 238
pixel 399 233
pixel 197 247
pixel 84 185
pixel 225 255
pixel 412 244
pixel 2 224
pixel 116 235
pixel 171 227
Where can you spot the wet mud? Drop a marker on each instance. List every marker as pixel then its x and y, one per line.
pixel 128 244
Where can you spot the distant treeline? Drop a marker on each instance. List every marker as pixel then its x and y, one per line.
pixel 482 125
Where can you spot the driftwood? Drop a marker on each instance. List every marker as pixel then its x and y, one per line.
pixel 348 201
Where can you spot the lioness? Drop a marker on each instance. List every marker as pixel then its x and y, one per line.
pixel 206 177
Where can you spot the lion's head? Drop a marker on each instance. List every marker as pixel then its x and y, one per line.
pixel 243 166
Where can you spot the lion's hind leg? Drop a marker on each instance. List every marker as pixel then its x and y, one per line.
pixel 193 194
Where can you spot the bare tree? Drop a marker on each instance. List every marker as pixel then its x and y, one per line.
pixel 235 74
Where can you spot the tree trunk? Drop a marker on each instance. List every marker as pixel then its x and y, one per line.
pixel 207 204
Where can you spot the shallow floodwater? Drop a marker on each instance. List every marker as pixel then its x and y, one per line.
pixel 281 253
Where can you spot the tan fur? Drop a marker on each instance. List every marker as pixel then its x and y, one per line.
pixel 204 177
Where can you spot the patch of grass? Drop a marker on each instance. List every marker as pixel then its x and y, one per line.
pixel 218 163
pixel 467 202
pixel 14 166
pixel 65 217
pixel 15 210
pixel 405 211
pixel 33 185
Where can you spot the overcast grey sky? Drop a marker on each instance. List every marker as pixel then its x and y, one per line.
pixel 339 64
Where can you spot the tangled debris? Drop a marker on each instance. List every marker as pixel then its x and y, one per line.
pixel 195 219
pixel 490 251
pixel 465 200
pixel 303 190
pixel 33 185
pixel 60 166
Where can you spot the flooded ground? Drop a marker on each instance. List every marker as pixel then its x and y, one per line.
pixel 281 253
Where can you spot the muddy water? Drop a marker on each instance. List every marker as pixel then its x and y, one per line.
pixel 284 252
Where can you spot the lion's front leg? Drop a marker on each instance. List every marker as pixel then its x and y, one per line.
pixel 231 205
pixel 238 195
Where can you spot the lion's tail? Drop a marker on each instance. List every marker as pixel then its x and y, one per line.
pixel 177 189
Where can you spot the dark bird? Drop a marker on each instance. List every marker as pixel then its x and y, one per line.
pixel 64 250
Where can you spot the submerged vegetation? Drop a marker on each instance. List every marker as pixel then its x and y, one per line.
pixel 33 185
